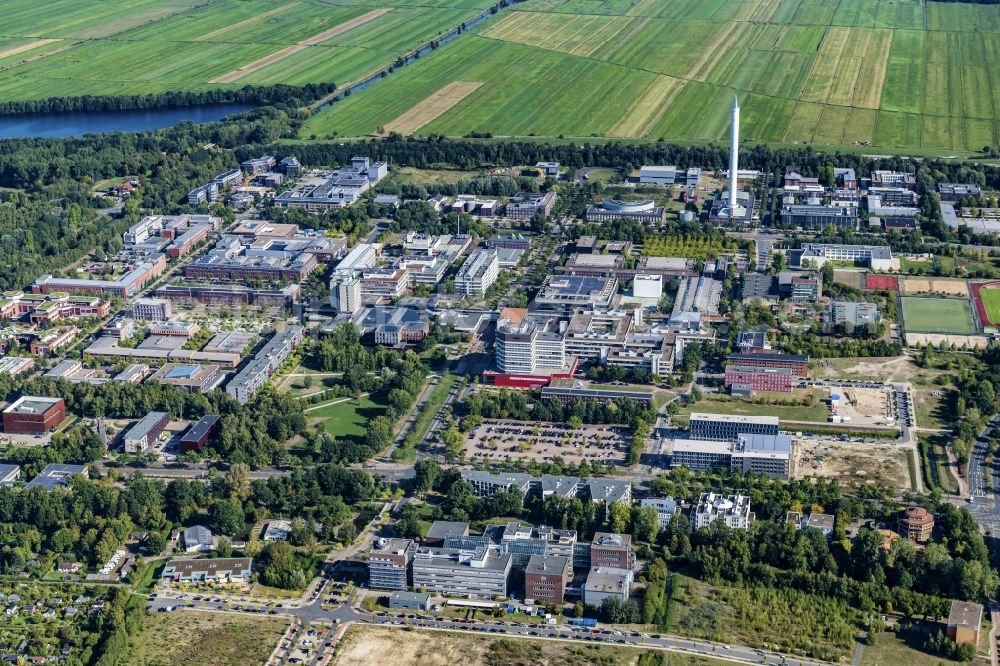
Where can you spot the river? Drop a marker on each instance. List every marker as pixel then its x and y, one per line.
pixel 93 122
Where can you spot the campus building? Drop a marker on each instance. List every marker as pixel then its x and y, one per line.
pixel 262 366
pixel 799 365
pixel 546 578
pixel 208 570
pixel 527 205
pixel 34 414
pixel 730 427
pixel 759 378
pixel 389 562
pixel 815 255
pixel 134 280
pixel 666 508
pixel 612 550
pixel 342 187
pixel 613 209
pixel 483 572
pixel 478 273
pixel 145 433
pixel 605 582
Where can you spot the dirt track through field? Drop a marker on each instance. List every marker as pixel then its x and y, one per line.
pixel 261 63
pixel 648 107
pixel 432 107
pixel 14 50
pixel 242 24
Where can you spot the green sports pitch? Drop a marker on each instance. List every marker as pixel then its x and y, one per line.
pixel 938 315
pixel 991 303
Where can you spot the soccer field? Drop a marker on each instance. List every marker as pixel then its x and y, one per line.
pixel 904 74
pixel 938 315
pixel 991 303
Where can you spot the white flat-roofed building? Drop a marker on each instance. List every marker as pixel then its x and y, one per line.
pixel 527 346
pixel 481 573
pixel 666 508
pixel 733 510
pixel 878 257
pixel 605 582
pixel 478 273
pixel 576 291
pixel 361 258
pixel 658 175
pixel 647 286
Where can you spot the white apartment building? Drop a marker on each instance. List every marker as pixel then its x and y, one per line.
pixel 733 510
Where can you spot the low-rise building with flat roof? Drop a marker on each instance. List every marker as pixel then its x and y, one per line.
pixel 197 435
pixel 605 582
pixel 55 475
pixel 666 508
pixel 145 433
pixel 964 621
pixel 198 539
pixel 34 414
pixel 414 601
pixel 208 570
pixel 267 360
pixel 192 377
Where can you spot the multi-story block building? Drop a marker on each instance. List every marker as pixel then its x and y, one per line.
pixel 759 378
pixel 605 582
pixel 612 550
pixel 35 414
pixel 524 346
pixel 798 364
pixel 389 564
pixel 527 205
pixel 546 577
pixel 482 573
pixel 384 283
pixel 729 427
pixel 262 366
pixel 144 434
pixel 478 273
pixel 135 279
pixel 151 309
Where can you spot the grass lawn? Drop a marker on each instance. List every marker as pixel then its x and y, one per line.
pixel 906 647
pixel 930 408
pixel 938 315
pixel 192 638
pixel 915 265
pixel 347 418
pixel 433 176
pixel 815 412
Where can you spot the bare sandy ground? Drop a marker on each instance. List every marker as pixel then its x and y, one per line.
pixel 433 107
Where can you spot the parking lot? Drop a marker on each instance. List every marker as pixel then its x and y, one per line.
pixel 541 442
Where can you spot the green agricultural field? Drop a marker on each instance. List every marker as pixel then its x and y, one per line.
pixel 905 74
pixel 64 48
pixel 938 315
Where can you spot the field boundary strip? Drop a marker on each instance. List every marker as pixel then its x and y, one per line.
pixel 261 63
pixel 14 50
pixel 244 23
pixel 432 107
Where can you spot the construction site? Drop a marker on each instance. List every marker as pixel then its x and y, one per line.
pixel 862 406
